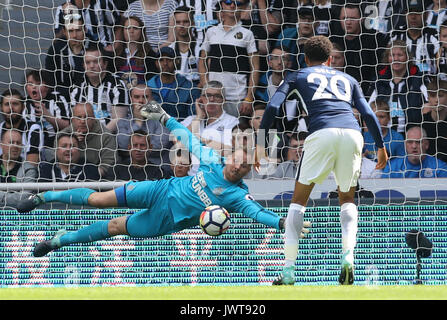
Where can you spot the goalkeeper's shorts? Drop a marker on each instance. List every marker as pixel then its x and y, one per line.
pixel 142 194
pixel 155 219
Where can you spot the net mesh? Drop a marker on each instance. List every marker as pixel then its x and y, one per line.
pixel 79 77
pixel 246 254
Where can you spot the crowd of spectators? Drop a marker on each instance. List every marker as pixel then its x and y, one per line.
pixel 214 65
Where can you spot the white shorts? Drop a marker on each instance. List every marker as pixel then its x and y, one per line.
pixel 332 150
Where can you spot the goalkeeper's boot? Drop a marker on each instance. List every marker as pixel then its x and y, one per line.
pixel 44 247
pixel 347 270
pixel 30 203
pixel 286 277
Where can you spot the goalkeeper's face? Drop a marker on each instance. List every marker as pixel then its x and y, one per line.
pixel 237 166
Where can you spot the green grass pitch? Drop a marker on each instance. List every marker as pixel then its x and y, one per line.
pixel 335 292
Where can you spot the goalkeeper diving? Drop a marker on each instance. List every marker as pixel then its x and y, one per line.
pixel 168 205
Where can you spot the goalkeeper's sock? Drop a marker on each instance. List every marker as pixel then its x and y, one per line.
pixel 94 232
pixel 294 225
pixel 75 196
pixel 349 227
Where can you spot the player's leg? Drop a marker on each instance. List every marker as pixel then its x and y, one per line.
pixel 347 171
pixel 142 224
pixel 151 223
pixel 145 223
pixel 316 164
pixel 131 195
pixel 97 231
pixel 294 221
pixel 349 228
pixel 79 196
pixel 293 227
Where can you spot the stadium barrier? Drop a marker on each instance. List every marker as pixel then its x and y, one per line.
pixel 267 189
pixel 247 254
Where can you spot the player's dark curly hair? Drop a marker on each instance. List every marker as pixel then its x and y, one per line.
pixel 318 48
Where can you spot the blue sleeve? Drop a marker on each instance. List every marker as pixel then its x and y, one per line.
pixel 261 92
pixel 182 134
pixel 255 211
pixel 441 171
pixel 368 116
pixel 195 94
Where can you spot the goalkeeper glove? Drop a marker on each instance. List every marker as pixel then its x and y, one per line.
pixel 304 230
pixel 154 111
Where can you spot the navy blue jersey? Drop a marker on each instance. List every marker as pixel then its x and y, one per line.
pixel 327 97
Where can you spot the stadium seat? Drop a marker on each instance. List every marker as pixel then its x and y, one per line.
pixel 389 194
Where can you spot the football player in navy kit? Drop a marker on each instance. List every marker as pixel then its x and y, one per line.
pixel 334 145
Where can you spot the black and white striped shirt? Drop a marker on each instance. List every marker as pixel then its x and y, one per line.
pixel 423 49
pixel 435 19
pixel 59 107
pixel 189 62
pixel 67 68
pixel 205 15
pixel 157 24
pixel 391 15
pixel 100 18
pixel 442 63
pixel 110 93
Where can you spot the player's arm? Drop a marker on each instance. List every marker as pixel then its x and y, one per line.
pixel 275 103
pixel 154 111
pixel 373 125
pixel 268 118
pixel 255 211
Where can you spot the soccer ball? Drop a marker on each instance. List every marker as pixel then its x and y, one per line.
pixel 214 220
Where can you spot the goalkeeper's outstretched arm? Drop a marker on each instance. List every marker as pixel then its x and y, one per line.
pixel 154 111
